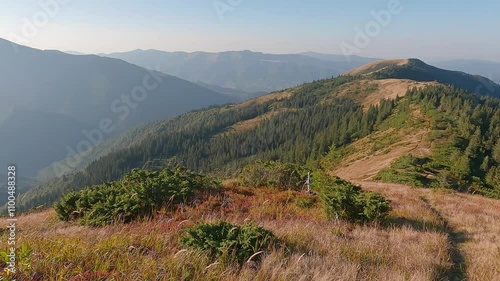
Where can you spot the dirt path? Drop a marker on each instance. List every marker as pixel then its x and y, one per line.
pixel 426 217
pixel 470 224
pixel 365 163
pixel 367 167
pixel 458 270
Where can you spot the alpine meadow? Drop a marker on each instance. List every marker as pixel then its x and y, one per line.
pixel 243 140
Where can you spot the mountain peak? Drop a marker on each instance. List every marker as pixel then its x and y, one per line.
pixel 375 66
pixel 416 61
pixel 417 70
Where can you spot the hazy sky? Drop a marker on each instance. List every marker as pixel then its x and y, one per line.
pixel 424 28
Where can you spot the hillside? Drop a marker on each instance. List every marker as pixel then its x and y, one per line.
pixel 386 135
pixel 243 70
pixel 428 235
pixel 417 70
pixel 122 141
pixel 435 138
pixel 302 125
pixel 49 98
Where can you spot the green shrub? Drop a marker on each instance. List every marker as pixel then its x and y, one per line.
pixel 408 169
pixel 406 161
pixel 374 206
pixel 335 156
pixel 346 201
pixel 305 202
pixel 273 174
pixel 403 177
pixel 140 193
pixel 340 202
pixel 224 240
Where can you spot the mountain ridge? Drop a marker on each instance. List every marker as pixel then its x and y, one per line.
pixel 243 70
pixel 82 91
pixel 415 69
pixel 283 125
pixel 489 69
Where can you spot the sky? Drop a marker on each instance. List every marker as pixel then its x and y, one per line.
pixel 430 30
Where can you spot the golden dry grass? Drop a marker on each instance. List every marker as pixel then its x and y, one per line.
pixel 371 154
pixel 391 89
pixel 313 248
pixel 365 164
pixel 370 92
pixel 429 235
pixel 475 224
pixel 470 222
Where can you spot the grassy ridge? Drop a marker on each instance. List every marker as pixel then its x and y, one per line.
pixel 465 151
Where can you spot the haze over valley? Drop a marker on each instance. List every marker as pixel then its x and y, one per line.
pixel 249 140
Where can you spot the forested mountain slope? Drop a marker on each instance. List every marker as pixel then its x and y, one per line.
pixel 437 137
pixel 300 125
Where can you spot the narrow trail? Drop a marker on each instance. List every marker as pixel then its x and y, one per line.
pixel 361 172
pixel 367 167
pixel 458 271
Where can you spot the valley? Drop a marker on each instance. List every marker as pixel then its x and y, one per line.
pixel 326 121
pixel 155 164
pixel 54 97
pixel 393 137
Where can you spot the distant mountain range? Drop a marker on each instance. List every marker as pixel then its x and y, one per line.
pixel 76 53
pixel 49 98
pixel 300 124
pixel 255 72
pixel 340 58
pixel 487 69
pixel 55 104
pixel 243 70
